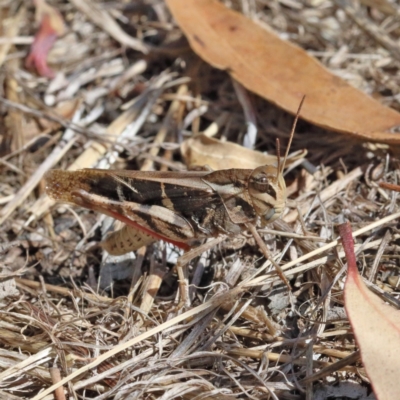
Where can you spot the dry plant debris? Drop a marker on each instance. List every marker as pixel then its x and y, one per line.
pixel 128 93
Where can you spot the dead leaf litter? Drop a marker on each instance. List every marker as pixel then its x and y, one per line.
pixel 121 88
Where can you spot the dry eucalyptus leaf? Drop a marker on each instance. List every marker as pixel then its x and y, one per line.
pixel 203 150
pixel 376 326
pixel 281 72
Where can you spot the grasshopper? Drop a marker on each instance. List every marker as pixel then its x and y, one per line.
pixel 178 207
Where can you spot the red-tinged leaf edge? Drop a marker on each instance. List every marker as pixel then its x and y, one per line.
pixel 376 326
pixel 43 42
pixel 346 235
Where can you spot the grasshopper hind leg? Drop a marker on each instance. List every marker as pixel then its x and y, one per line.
pixel 125 240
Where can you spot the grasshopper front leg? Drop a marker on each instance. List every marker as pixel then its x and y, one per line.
pixel 184 260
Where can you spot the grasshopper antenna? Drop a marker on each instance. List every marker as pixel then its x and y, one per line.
pixel 291 136
pixel 278 156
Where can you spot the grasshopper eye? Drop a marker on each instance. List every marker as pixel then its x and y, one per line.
pixel 261 184
pixel 267 192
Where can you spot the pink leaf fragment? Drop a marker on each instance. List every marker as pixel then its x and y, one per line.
pixel 51 27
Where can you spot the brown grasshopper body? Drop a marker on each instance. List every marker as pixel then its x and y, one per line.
pixel 179 207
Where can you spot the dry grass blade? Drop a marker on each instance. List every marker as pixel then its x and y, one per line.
pixel 325 248
pixel 208 307
pixel 67 142
pixel 11 28
pixel 104 20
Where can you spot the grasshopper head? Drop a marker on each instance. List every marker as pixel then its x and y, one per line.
pixel 267 190
pixel 266 186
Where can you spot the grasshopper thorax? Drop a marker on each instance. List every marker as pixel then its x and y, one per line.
pixel 267 190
